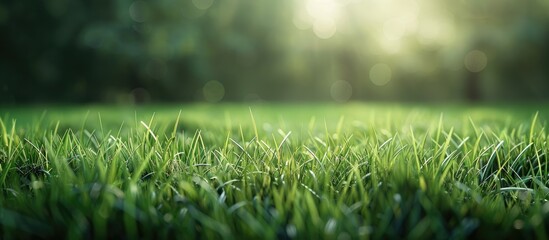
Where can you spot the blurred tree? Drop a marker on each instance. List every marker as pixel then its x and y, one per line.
pixel 137 51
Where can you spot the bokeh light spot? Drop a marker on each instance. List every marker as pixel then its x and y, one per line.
pixel 267 127
pixel 213 91
pixel 341 91
pixel 322 9
pixel 168 217
pixel 518 224
pixel 203 4
pixel 139 11
pixel 323 15
pixel 380 74
pixel 476 61
pixel 324 28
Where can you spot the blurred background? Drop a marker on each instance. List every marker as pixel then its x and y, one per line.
pixel 125 51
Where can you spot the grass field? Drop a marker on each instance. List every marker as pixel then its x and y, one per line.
pixel 274 171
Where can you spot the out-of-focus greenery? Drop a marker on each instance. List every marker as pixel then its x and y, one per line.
pixel 137 51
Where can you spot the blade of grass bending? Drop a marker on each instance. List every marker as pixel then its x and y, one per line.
pixel 150 131
pixel 490 160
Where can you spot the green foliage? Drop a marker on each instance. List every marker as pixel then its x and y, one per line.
pixel 377 171
pixel 127 51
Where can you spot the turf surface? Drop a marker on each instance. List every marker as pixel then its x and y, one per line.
pixel 271 171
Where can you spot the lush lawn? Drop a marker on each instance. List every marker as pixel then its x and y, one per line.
pixel 274 171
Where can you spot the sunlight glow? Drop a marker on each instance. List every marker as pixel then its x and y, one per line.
pixel 394 29
pixel 393 22
pixel 324 28
pixel 436 29
pixel 323 14
pixel 322 9
pixel 400 17
pixel 390 46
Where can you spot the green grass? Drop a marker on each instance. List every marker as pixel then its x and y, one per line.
pixel 274 171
